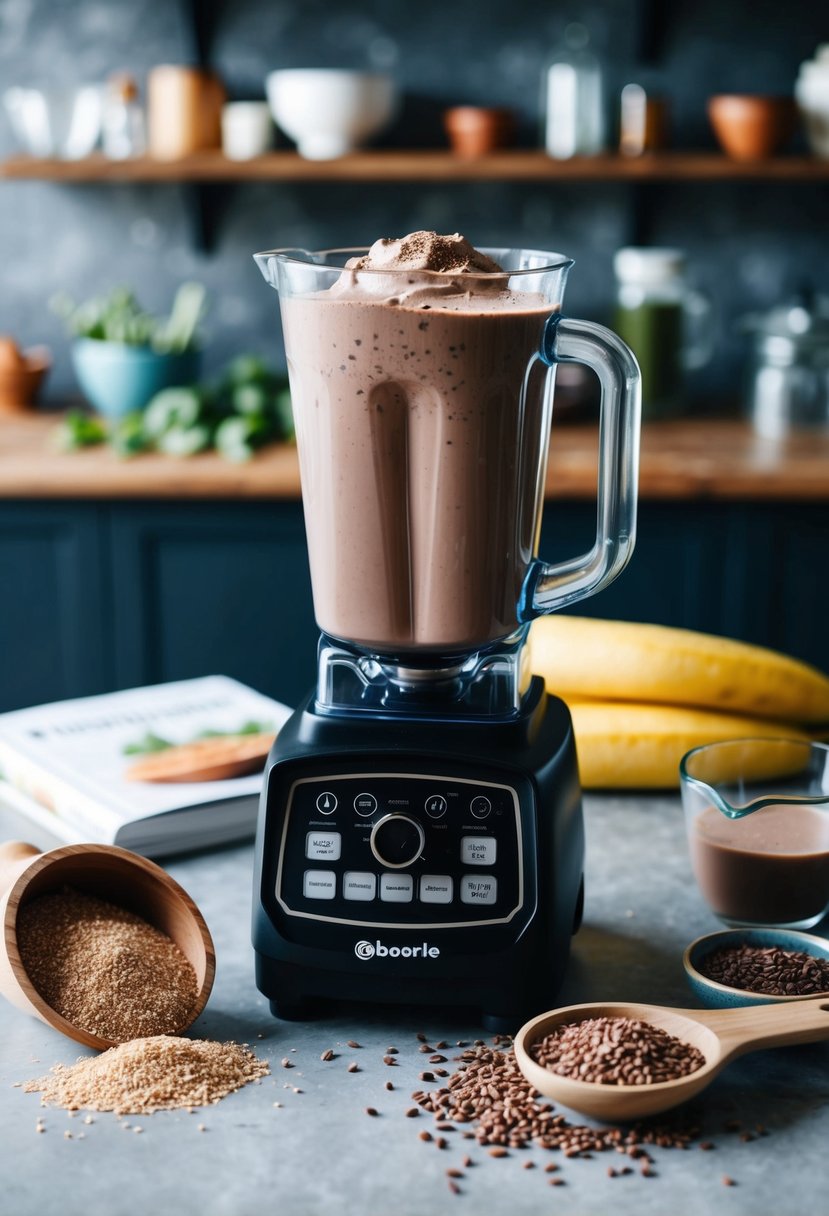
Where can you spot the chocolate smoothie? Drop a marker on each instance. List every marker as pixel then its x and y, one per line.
pixel 421 422
pixel 770 868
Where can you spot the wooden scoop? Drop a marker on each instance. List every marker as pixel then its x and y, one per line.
pixel 720 1034
pixel 110 873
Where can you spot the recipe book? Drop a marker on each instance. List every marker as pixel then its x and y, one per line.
pixel 63 765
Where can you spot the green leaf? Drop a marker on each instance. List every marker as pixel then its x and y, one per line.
pixel 128 436
pixel 150 743
pixel 184 441
pixel 250 399
pixel 172 407
pixel 79 430
pixel 179 332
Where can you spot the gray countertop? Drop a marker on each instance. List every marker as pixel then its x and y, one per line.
pixel 319 1153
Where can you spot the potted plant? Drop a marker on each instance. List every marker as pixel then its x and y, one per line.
pixel 123 356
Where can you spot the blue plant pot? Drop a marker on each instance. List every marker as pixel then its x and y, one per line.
pixel 117 379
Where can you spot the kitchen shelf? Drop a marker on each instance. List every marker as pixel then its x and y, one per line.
pixel 420 165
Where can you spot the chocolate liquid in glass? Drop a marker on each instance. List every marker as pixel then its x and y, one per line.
pixel 420 432
pixel 772 867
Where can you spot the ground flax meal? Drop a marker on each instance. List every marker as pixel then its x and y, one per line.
pixel 103 968
pixel 157 1073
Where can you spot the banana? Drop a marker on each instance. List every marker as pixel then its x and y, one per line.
pixel 618 661
pixel 621 745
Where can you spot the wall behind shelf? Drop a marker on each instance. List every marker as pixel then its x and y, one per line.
pixel 748 244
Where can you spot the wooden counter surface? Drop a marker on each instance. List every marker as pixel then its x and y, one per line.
pixel 682 460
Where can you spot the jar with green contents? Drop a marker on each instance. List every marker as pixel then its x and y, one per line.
pixel 664 322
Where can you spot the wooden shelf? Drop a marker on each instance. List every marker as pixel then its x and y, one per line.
pixel 687 460
pixel 425 165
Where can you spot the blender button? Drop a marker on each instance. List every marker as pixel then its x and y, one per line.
pixel 365 804
pixel 323 845
pixel 326 802
pixel 396 888
pixel 436 806
pixel 479 850
pixel 436 889
pixel 479 890
pixel 480 807
pixel 359 885
pixel 319 884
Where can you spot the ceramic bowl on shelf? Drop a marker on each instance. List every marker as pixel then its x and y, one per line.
pixel 723 996
pixel 56 122
pixel 328 112
pixel 751 127
pixel 118 379
pixel 812 93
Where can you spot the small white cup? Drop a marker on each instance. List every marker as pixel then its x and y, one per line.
pixel 247 129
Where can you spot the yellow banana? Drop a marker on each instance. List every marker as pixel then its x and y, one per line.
pixel 622 745
pixel 616 660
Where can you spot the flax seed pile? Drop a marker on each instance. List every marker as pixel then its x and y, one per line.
pixel 616 1051
pixel 157 1073
pixel 490 1092
pixel 103 968
pixel 767 969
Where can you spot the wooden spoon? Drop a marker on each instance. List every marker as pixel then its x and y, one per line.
pixel 720 1034
pixel 113 874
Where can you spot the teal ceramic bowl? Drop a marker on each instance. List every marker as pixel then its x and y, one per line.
pixel 720 996
pixel 117 379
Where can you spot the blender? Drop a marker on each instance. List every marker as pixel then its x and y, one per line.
pixel 420 837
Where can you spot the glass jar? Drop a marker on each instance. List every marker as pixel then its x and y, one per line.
pixel 573 103
pixel 664 322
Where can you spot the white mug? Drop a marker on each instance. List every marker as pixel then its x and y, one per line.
pixel 247 129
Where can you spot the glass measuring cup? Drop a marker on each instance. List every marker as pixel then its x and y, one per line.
pixel 757 821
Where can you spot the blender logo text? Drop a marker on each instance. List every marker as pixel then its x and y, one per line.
pixel 376 949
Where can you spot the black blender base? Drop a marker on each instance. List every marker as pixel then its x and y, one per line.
pixel 313 951
pixel 295 1011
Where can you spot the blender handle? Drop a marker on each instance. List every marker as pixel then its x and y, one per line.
pixel 548 587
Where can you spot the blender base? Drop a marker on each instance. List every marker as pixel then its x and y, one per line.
pixel 424 862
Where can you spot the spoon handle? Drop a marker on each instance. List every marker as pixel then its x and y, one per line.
pixel 758 1026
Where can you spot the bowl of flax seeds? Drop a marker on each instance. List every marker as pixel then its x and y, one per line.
pixel 736 967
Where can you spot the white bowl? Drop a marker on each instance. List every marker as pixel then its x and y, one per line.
pixel 56 122
pixel 812 94
pixel 328 112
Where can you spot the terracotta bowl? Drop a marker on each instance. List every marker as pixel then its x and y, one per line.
pixel 475 131
pixel 19 383
pixel 751 128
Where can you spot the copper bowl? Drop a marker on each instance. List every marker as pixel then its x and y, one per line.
pixel 751 127
pixel 475 130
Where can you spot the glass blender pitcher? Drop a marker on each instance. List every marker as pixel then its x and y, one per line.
pixel 422 407
pixel 422 806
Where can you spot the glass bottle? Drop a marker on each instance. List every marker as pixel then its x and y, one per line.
pixel 573 102
pixel 123 130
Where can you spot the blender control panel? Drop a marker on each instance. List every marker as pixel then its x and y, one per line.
pixel 400 848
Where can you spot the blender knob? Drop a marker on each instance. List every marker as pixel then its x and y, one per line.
pixel 397 841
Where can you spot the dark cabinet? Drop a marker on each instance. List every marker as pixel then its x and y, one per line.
pixel 55 617
pixel 212 587
pixel 95 596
